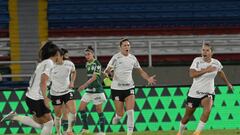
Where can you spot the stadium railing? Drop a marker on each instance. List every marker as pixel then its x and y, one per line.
pixel 16 62
pixel 150 46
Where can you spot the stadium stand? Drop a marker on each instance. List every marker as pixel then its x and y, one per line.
pixel 4 49
pixel 152 17
pixel 4 18
pixel 4 56
pixel 4 41
pixel 98 19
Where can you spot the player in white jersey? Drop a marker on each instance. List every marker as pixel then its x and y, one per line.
pixel 62 81
pixel 36 98
pixel 203 71
pixel 122 87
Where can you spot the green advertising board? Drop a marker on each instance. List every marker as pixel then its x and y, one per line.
pixel 157 108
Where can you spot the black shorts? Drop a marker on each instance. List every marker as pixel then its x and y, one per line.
pixel 120 95
pixel 37 107
pixel 195 102
pixel 59 100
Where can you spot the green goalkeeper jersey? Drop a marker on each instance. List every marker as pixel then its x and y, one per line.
pixel 94 67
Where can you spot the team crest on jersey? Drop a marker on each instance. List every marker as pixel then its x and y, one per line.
pixel 117 98
pixel 131 91
pixel 190 105
pixel 93 67
pixel 210 96
pixel 88 68
pixel 58 101
pixel 98 67
pixel 71 95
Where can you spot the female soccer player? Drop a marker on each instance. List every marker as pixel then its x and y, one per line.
pixel 62 81
pixel 203 71
pixel 36 97
pixel 122 87
pixel 94 91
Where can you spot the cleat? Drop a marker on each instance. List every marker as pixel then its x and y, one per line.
pixel 196 133
pixel 85 132
pixel 129 133
pixel 101 133
pixel 9 116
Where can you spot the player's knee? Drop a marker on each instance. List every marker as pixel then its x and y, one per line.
pixel 49 124
pixel 82 108
pixel 58 114
pixel 120 113
pixel 45 118
pixel 99 109
pixel 186 119
pixel 73 110
pixel 206 111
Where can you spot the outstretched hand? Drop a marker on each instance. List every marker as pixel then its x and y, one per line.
pixel 151 80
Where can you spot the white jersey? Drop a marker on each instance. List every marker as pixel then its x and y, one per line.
pixel 34 90
pixel 123 66
pixel 60 78
pixel 204 84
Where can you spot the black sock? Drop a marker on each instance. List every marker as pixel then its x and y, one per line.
pixel 84 119
pixel 101 121
pixel 65 125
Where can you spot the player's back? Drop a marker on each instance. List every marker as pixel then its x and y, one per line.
pixel 34 89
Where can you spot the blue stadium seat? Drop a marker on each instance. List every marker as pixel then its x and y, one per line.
pixel 142 13
pixel 4 15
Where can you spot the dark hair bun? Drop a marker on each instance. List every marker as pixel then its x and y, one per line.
pixel 63 51
pixel 90 48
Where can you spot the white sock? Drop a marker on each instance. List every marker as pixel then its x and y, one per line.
pixel 47 128
pixel 118 117
pixel 200 126
pixel 26 120
pixel 181 128
pixel 130 120
pixel 71 121
pixel 57 122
